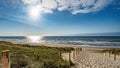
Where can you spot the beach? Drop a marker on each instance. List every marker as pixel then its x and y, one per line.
pixel 90 57
pixel 93 58
pixel 77 57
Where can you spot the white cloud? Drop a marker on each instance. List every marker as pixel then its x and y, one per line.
pixel 86 6
pixel 30 1
pixel 74 6
pixel 50 4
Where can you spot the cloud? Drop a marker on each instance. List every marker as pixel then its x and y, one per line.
pixel 73 6
pixel 30 1
pixel 50 4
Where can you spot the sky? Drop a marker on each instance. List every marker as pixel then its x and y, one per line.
pixel 58 17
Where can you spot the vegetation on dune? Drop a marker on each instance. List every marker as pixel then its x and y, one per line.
pixel 112 50
pixel 27 56
pixel 115 51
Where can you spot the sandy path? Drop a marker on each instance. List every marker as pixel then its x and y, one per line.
pixel 89 59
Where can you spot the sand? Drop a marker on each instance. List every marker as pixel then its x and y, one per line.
pixel 91 58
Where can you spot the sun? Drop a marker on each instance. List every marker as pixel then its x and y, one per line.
pixel 34 12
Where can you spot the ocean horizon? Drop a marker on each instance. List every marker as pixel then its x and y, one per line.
pixel 92 41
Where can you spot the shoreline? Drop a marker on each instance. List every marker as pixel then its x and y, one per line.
pixel 66 45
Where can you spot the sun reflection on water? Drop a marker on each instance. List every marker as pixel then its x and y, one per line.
pixel 34 39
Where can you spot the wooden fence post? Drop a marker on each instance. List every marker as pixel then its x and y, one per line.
pixel 114 55
pixel 70 57
pixel 6 59
pixel 74 54
pixel 109 54
pixel 79 51
pixel 59 58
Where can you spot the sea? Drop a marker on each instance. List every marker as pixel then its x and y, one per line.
pixel 91 41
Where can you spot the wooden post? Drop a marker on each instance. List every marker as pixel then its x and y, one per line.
pixel 6 59
pixel 74 54
pixel 114 55
pixel 79 50
pixel 109 54
pixel 70 57
pixel 59 58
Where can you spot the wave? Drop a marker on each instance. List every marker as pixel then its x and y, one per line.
pixel 91 41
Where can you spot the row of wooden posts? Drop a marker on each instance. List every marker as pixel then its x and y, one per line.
pixel 110 53
pixel 75 55
pixel 6 57
pixel 76 52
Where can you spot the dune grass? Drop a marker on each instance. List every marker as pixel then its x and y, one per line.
pixel 27 56
pixel 114 51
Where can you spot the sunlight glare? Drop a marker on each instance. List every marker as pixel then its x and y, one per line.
pixel 34 39
pixel 34 12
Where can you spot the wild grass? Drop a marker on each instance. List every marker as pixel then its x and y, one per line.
pixel 114 51
pixel 27 56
